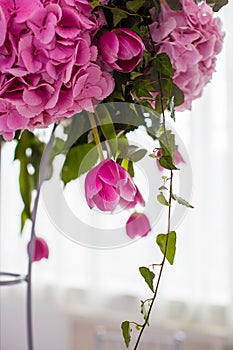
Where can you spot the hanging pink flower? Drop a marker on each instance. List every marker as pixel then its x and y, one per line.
pixel 108 185
pixel 177 158
pixel 121 48
pixel 138 225
pixel 192 38
pixel 41 249
pixel 49 64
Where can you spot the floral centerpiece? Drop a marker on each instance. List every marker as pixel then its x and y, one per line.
pixel 72 63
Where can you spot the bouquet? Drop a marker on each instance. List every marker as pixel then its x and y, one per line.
pixel 98 71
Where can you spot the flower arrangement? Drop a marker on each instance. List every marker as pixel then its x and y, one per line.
pixel 70 63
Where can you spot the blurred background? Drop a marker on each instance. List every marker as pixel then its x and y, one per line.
pixel 80 289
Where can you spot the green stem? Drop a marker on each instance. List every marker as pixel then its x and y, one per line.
pixel 161 268
pixel 96 135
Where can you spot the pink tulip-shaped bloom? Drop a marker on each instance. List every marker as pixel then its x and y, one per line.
pixel 138 225
pixel 121 48
pixel 41 249
pixel 177 158
pixel 108 185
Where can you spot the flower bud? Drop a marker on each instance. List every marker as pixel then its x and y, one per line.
pixel 121 48
pixel 41 249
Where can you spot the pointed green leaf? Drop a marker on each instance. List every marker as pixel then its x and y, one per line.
pixel 138 155
pixel 163 64
pixel 161 199
pixel 167 162
pixel 117 16
pixel 169 239
pixel 75 164
pixel 134 6
pixel 178 95
pixel 126 330
pixel 167 142
pixel 181 201
pixel 28 151
pixel 217 4
pixel 163 188
pixel 148 276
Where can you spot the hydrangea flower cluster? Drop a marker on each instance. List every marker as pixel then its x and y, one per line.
pixel 192 38
pixel 48 62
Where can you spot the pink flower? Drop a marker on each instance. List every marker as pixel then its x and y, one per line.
pixel 41 249
pixel 121 48
pixel 138 225
pixel 108 185
pixel 177 158
pixel 2 27
pixel 192 38
pixel 49 66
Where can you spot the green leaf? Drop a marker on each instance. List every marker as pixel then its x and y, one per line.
pixel 167 142
pixel 178 95
pixel 118 15
pixel 167 162
pixel 163 188
pixel 107 127
pixel 171 245
pixel 138 155
pixel 168 146
pixel 217 4
pixel 181 201
pixel 95 3
pixel 79 124
pixel 29 152
pixel 174 5
pixel 161 199
pixel 163 64
pixel 135 75
pixel 143 87
pixel 131 168
pixel 75 165
pixel 127 164
pixel 144 309
pixel 126 330
pixel 148 276
pixel 123 145
pixel 134 6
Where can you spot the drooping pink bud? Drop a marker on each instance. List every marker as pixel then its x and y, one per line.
pixel 41 249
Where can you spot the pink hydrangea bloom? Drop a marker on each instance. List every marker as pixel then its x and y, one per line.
pixel 192 38
pixel 121 48
pixel 137 225
pixel 41 249
pixel 108 185
pixel 48 62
